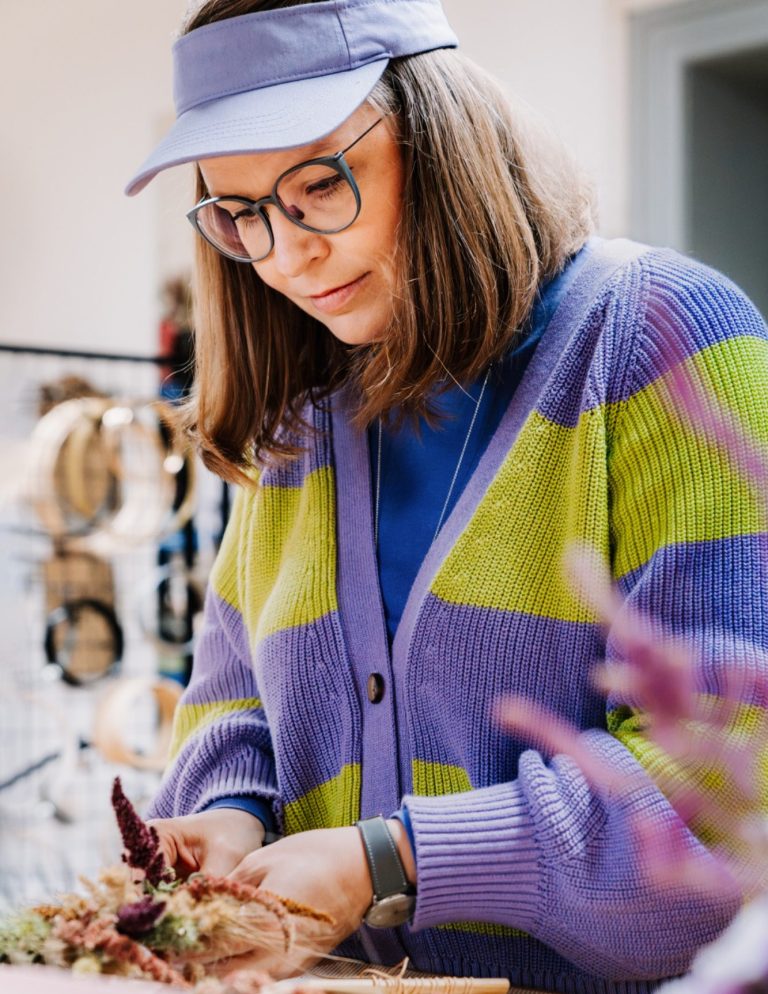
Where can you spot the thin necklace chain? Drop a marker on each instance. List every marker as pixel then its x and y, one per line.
pixel 478 404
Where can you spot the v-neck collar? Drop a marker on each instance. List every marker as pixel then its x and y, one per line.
pixel 359 594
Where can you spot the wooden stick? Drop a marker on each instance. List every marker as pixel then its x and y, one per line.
pixel 395 984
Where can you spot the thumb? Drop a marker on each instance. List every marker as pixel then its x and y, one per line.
pixel 175 853
pixel 250 870
pixel 219 862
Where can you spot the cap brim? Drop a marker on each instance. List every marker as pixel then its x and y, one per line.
pixel 264 120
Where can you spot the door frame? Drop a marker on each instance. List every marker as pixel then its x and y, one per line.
pixel 663 43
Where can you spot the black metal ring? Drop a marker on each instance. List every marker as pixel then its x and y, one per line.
pixel 70 611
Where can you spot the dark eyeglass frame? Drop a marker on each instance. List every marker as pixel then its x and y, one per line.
pixel 336 162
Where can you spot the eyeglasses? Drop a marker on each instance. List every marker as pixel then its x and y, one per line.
pixel 319 195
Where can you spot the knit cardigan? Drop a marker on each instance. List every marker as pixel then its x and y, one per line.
pixel 524 871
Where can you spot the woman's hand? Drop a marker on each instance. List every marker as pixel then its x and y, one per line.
pixel 213 842
pixel 324 869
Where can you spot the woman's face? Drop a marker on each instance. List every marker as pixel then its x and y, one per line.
pixel 345 280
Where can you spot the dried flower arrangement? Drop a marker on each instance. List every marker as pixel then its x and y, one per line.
pixel 139 921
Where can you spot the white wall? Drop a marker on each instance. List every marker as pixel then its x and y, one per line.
pixel 566 59
pixel 570 60
pixel 85 89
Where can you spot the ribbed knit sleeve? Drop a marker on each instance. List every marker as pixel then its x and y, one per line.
pixel 221 745
pixel 546 853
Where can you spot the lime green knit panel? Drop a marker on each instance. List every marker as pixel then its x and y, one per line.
pixel 435 779
pixel 743 724
pixel 667 485
pixel 487 929
pixel 670 484
pixel 189 719
pixel 281 568
pixel 332 804
pixel 559 478
pixel 224 574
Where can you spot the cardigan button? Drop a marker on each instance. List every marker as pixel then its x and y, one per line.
pixel 375 688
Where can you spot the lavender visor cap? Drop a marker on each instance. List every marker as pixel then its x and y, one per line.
pixel 278 79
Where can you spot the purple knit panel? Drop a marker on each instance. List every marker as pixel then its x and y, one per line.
pixel 591 900
pixel 590 849
pixel 660 309
pixel 580 378
pixel 713 595
pixel 310 702
pixel 574 354
pixel 315 443
pixel 222 667
pixel 490 654
pixel 527 963
pixel 225 758
pixel 717 585
pixel 688 307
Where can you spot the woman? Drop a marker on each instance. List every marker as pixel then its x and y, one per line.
pixel 430 380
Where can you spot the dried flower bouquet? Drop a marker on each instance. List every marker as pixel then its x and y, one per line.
pixel 139 921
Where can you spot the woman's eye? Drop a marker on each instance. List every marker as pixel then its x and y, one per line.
pixel 244 218
pixel 327 186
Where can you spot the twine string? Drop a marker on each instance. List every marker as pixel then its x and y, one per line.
pixel 398 983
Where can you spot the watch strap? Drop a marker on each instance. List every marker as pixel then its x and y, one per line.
pixel 387 873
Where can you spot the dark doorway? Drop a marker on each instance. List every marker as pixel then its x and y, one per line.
pixel 727 167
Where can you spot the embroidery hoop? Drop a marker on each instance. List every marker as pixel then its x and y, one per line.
pixel 156 476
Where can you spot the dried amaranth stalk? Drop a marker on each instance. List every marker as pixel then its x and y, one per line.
pixel 141 841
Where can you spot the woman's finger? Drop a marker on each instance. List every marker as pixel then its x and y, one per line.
pixel 264 949
pixel 249 982
pixel 169 845
pixel 277 964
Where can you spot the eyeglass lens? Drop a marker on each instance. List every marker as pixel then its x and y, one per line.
pixel 317 195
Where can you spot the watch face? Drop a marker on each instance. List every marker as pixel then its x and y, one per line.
pixel 390 911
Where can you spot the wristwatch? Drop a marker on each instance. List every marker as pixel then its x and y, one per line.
pixel 394 897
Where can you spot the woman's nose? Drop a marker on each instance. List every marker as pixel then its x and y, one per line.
pixel 295 247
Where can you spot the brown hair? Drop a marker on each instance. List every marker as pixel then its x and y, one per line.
pixel 492 206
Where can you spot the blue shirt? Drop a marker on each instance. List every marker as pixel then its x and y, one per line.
pixel 418 462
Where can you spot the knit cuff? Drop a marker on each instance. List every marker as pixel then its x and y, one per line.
pixel 198 776
pixel 477 857
pixel 256 806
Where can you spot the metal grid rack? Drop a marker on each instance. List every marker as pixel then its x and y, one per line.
pixel 55 822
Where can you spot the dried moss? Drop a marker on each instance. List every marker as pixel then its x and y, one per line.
pixel 23 937
pixel 174 934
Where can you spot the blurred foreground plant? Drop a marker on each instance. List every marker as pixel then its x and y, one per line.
pixel 708 750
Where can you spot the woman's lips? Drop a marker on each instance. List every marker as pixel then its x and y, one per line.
pixel 328 303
